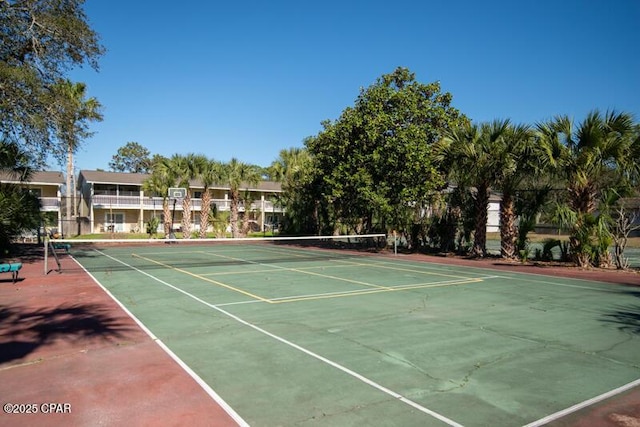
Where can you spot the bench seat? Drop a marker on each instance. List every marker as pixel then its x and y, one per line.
pixel 12 268
pixel 65 246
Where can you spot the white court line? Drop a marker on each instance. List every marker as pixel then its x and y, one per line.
pixel 253 301
pixel 581 405
pixel 310 273
pixel 215 396
pixel 390 288
pixel 362 291
pixel 439 267
pixel 565 285
pixel 297 269
pixel 329 362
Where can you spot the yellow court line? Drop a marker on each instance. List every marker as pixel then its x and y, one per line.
pixel 376 265
pixel 437 285
pixel 276 267
pixel 290 252
pixel 206 279
pixel 371 291
pixel 273 269
pixel 230 273
pixel 376 288
pixel 371 285
pixel 185 251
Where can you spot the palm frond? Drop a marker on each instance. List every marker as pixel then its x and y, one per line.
pixel 564 216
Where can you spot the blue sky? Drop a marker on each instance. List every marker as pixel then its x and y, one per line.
pixel 246 79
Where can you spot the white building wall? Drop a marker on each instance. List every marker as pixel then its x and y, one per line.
pixel 493 221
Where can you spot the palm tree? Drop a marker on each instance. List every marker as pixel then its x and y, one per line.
pixel 73 112
pixel 474 157
pixel 596 154
pixel 162 178
pixel 211 173
pixel 518 162
pixel 19 209
pixel 14 161
pixel 290 162
pixel 236 174
pixel 300 196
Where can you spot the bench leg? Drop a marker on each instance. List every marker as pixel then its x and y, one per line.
pixel 15 276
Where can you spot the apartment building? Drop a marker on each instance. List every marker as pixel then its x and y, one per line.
pixel 47 186
pixel 116 201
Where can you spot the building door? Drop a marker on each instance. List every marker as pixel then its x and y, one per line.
pixel 115 220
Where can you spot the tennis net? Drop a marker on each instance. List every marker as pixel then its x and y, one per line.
pixel 186 253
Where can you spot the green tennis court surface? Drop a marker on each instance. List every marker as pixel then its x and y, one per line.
pixel 296 336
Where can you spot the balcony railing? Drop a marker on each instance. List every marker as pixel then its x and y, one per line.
pixel 102 201
pixel 49 203
pixel 115 201
pixel 116 193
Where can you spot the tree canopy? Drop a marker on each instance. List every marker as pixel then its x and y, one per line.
pixel 19 208
pixel 376 161
pixel 132 157
pixel 39 42
pixel 592 158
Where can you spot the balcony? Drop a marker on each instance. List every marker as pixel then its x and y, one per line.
pixel 107 201
pixel 49 204
pixel 112 201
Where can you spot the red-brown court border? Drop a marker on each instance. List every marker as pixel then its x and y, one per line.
pixel 64 341
pixel 110 372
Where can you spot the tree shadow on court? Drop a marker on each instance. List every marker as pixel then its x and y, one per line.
pixel 26 252
pixel 626 317
pixel 23 330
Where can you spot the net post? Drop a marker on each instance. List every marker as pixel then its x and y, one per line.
pixel 46 255
pixel 52 249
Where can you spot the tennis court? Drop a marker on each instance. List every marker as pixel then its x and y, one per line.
pixel 293 335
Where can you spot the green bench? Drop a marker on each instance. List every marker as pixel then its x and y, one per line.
pixel 63 246
pixel 12 268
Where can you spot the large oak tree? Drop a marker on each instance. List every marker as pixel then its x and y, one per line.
pixel 374 164
pixel 132 158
